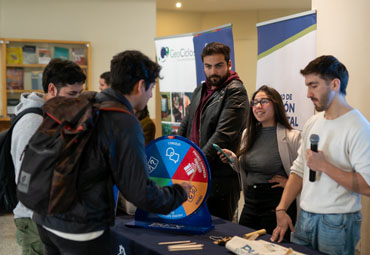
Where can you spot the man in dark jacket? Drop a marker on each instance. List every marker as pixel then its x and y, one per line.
pixel 115 154
pixel 217 114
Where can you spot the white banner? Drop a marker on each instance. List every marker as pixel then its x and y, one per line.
pixel 176 56
pixel 286 46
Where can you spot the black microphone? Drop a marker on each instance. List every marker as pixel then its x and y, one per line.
pixel 314 142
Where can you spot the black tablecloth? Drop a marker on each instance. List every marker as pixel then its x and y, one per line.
pixel 140 241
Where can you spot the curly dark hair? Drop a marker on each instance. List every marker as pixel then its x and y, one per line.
pixel 62 72
pixel 216 48
pixel 329 68
pixel 106 77
pixel 129 67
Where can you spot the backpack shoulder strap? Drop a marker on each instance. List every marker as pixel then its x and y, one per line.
pixel 14 120
pixel 114 107
pixel 6 135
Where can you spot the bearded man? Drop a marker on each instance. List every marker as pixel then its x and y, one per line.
pixel 330 217
pixel 218 114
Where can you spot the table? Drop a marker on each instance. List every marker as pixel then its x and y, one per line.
pixel 131 240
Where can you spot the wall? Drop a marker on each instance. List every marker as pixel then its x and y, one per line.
pixel 344 33
pixel 111 26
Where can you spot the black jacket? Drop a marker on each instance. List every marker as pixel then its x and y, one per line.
pixel 115 155
pixel 222 122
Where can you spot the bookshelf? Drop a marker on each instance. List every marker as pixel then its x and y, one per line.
pixel 22 63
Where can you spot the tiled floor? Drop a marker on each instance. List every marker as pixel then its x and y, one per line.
pixel 8 244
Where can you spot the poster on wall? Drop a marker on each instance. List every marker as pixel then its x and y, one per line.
pixel 182 70
pixel 285 46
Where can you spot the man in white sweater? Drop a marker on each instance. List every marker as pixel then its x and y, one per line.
pixel 330 218
pixel 60 78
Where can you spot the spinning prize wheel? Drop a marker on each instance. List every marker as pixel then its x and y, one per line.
pixel 174 160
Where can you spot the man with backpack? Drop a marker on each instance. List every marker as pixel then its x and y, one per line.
pixel 114 154
pixel 60 78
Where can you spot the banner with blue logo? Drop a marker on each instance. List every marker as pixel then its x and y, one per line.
pixel 182 70
pixel 223 34
pixel 285 46
pixel 176 57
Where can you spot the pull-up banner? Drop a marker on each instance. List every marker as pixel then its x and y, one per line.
pixel 176 57
pixel 223 35
pixel 182 70
pixel 285 46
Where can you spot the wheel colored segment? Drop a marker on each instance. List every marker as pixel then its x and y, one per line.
pixel 156 164
pixel 196 196
pixel 172 152
pixel 174 160
pixel 192 162
pixel 162 181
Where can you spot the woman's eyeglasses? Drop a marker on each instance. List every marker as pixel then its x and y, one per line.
pixel 263 101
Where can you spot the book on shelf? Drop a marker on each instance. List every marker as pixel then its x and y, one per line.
pixel 27 82
pixel 36 80
pixel 62 53
pixel 79 56
pixel 44 55
pixel 14 55
pixel 29 54
pixel 12 104
pixel 14 78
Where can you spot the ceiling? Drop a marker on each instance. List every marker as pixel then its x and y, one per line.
pixel 233 5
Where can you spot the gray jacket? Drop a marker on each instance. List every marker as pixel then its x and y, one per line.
pixel 22 133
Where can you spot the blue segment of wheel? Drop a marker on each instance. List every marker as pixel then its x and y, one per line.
pixel 156 166
pixel 178 213
pixel 172 153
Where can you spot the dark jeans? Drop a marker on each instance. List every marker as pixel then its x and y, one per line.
pixel 259 208
pixel 55 245
pixel 224 197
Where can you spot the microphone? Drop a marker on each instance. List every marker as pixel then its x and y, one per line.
pixel 314 142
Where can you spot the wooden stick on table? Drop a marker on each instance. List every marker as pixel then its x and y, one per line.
pixel 174 242
pixel 185 246
pixel 258 232
pixel 186 249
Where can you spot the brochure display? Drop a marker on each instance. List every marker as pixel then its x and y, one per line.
pixel 171 160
